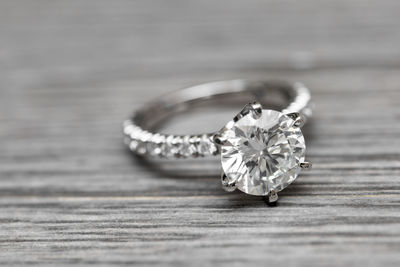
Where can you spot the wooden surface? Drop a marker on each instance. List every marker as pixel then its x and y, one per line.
pixel 72 71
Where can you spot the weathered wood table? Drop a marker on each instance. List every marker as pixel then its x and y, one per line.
pixel 72 71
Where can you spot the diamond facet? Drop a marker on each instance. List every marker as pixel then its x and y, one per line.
pixel 262 154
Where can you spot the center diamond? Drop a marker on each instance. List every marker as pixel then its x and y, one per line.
pixel 262 154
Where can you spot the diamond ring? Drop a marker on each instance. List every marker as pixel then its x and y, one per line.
pixel 262 150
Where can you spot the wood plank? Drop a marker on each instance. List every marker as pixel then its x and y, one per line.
pixel 72 71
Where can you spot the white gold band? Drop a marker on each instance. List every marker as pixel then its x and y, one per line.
pixel 141 139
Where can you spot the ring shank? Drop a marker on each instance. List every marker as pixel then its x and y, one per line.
pixel 143 140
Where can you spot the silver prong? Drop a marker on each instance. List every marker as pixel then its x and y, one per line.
pixel 297 117
pixel 307 165
pixel 272 197
pixel 226 184
pixel 293 115
pixel 254 108
pixel 219 139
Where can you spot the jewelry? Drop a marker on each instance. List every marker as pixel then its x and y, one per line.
pixel 262 150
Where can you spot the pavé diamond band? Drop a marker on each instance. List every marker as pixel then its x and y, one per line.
pixel 262 150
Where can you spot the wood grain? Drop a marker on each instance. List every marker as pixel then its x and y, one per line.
pixel 72 71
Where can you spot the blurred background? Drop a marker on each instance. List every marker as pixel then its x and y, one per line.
pixel 72 71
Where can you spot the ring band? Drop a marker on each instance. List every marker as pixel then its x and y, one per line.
pixel 143 141
pixel 273 138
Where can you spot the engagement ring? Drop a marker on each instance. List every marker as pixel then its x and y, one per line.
pixel 262 150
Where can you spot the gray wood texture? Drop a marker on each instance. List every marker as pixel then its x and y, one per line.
pixel 72 71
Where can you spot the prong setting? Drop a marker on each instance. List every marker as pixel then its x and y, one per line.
pixel 306 165
pixel 226 184
pixel 247 137
pixel 298 119
pixel 219 139
pixel 293 115
pixel 254 108
pixel 272 198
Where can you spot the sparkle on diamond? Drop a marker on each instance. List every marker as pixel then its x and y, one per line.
pixel 263 154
